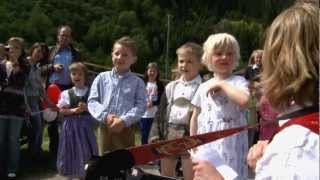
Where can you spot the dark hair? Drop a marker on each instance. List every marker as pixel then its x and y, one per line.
pixel 78 67
pixel 151 65
pixel 44 50
pixel 65 26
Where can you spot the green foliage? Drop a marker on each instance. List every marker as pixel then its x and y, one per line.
pixel 248 33
pixel 97 23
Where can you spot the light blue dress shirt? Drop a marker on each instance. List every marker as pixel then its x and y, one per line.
pixel 120 95
pixel 64 57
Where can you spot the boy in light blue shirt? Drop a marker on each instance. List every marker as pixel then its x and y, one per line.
pixel 117 99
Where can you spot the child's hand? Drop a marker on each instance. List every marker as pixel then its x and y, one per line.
pixel 109 119
pixel 214 87
pixel 203 170
pixel 83 106
pixel 149 104
pixel 256 152
pixel 153 139
pixel 193 151
pixel 117 125
pixel 76 110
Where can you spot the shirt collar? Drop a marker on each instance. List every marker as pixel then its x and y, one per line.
pixel 115 73
pixel 196 80
pixel 68 48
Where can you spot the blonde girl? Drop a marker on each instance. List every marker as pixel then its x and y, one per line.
pixel 220 102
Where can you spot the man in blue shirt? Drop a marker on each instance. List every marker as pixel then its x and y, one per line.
pixel 60 57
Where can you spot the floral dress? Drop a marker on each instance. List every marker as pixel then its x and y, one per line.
pixel 218 112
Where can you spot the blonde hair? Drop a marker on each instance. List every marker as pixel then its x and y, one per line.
pixel 219 41
pixel 127 42
pixel 191 48
pixel 291 58
pixel 254 54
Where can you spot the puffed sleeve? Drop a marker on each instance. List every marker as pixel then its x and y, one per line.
pixel 64 100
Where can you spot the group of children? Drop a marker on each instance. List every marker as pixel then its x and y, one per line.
pixel 117 99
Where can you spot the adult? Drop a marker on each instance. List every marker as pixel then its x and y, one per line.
pixel 34 90
pixel 14 72
pixel 60 57
pixel 290 82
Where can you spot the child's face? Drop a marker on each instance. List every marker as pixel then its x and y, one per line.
pixel 152 73
pixel 257 59
pixel 223 61
pixel 77 78
pixel 122 58
pixel 188 66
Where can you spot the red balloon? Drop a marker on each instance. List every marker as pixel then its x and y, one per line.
pixel 54 92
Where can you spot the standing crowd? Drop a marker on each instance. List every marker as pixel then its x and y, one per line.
pixel 279 91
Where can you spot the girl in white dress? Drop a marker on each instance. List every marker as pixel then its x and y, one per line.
pixel 220 102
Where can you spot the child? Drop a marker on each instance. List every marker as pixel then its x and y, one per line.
pixel 267 114
pixel 221 101
pixel 77 142
pixel 117 99
pixel 176 106
pixel 252 112
pixel 154 90
pixel 290 81
pixel 254 64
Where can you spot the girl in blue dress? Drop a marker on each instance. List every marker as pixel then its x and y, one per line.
pixel 77 140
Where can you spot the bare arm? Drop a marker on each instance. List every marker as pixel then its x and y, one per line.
pixel 71 111
pixel 237 95
pixel 256 152
pixel 194 121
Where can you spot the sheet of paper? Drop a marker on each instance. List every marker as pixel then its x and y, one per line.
pixel 215 160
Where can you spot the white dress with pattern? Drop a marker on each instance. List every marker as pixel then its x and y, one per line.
pixel 218 112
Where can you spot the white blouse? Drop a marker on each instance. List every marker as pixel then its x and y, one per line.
pixel 293 154
pixel 64 100
pixel 218 112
